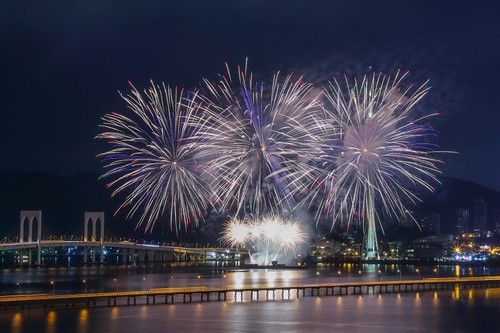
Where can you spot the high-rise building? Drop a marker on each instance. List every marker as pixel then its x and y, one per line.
pixel 497 221
pixel 480 217
pixel 432 222
pixel 463 217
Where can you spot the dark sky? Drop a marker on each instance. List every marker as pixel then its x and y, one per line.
pixel 62 63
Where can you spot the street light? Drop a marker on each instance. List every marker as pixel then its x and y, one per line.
pixel 437 272
pixel 418 271
pixel 85 283
pixel 116 285
pixel 18 287
pixel 380 272
pixel 399 271
pixel 53 288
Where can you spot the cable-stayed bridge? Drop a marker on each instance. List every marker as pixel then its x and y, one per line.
pixel 30 248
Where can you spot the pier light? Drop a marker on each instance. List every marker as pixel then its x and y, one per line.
pixel 399 271
pixel 418 271
pixel 53 287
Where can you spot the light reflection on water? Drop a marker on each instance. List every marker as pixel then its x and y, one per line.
pixel 126 278
pixel 16 323
pixel 51 321
pixel 428 311
pixel 409 312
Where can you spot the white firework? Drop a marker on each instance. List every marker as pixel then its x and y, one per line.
pixel 153 157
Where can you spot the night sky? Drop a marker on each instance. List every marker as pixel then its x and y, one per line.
pixel 63 63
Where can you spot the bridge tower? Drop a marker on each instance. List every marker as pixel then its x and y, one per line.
pixel 93 218
pixel 30 216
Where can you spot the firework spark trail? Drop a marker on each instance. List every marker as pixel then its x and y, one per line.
pixel 382 149
pixel 269 234
pixel 255 149
pixel 256 139
pixel 153 157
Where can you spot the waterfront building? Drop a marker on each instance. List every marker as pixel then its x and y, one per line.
pixel 432 247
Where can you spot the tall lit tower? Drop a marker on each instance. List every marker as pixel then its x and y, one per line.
pixel 371 241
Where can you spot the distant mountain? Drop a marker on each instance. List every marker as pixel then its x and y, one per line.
pixel 63 201
pixel 457 193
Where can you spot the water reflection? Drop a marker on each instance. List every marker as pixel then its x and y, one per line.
pixel 307 313
pixel 435 299
pixel 16 323
pixel 51 322
pixel 115 313
pixel 83 319
pixel 126 278
pixel 431 311
pixel 456 293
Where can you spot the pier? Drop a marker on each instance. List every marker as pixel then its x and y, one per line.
pixel 205 294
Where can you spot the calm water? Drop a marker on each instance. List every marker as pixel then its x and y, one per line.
pixel 443 311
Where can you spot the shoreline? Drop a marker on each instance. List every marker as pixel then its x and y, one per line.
pixel 232 265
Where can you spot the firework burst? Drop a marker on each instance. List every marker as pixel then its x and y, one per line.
pixel 256 137
pixel 269 236
pixel 153 157
pixel 382 151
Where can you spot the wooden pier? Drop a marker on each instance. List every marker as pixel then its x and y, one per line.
pixel 202 294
